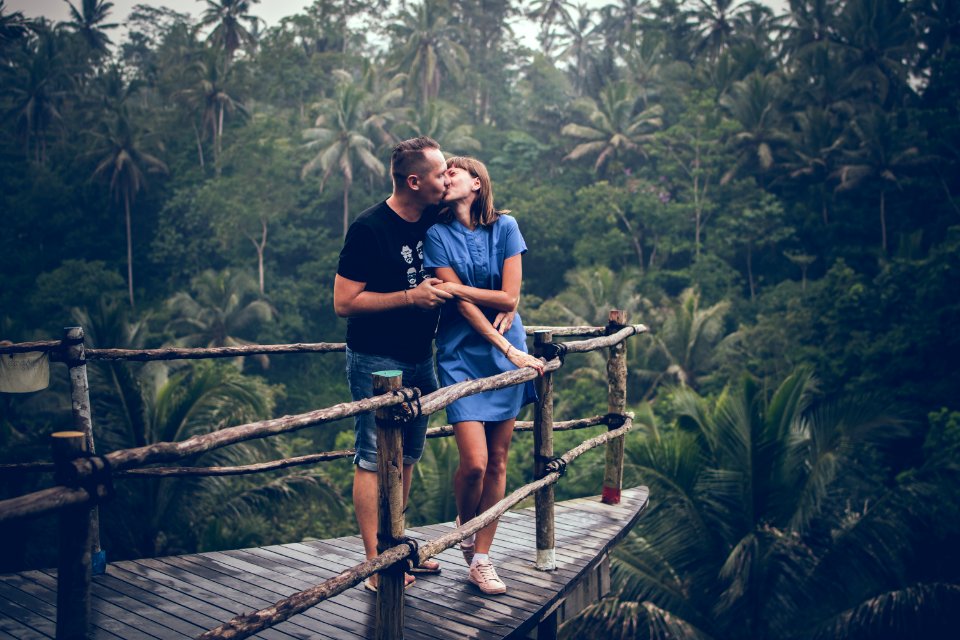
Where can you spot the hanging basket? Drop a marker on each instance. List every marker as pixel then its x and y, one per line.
pixel 24 372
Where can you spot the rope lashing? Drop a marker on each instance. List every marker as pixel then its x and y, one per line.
pixel 615 420
pixel 551 465
pixel 553 350
pixel 410 409
pixel 386 541
pixel 413 560
pixel 100 474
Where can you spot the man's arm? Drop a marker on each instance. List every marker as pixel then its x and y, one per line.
pixel 350 297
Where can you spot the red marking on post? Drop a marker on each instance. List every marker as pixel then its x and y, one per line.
pixel 610 495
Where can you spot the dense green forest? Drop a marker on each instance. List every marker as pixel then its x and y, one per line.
pixel 776 196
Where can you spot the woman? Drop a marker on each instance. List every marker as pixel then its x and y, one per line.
pixel 476 250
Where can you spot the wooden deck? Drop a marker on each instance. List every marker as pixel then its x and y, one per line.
pixel 182 596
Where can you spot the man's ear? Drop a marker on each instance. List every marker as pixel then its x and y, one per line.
pixel 413 182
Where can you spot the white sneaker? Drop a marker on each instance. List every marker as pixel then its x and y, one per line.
pixel 485 577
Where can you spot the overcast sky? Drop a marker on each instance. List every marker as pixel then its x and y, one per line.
pixel 57 10
pixel 270 10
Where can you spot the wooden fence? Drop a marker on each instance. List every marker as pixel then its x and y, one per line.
pixel 84 479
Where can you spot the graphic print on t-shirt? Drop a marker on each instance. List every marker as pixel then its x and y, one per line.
pixel 423 272
pixel 407 254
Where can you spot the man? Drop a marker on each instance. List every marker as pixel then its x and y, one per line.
pixel 392 307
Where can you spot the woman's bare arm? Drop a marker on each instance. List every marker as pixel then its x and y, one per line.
pixel 504 299
pixel 479 322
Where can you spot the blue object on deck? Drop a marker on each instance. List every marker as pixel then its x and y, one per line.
pixel 98 563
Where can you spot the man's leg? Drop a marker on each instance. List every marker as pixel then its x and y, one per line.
pixel 365 506
pixel 424 377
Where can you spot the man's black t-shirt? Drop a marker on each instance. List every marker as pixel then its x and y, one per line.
pixel 386 252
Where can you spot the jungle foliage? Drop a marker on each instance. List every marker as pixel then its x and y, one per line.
pixel 776 196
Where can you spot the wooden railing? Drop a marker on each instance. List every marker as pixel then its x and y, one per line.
pixel 84 479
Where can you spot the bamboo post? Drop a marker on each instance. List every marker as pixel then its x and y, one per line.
pixel 543 451
pixel 73 570
pixel 389 615
pixel 83 422
pixel 616 403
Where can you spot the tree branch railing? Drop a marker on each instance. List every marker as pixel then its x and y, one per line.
pixel 246 625
pixel 443 431
pixel 85 478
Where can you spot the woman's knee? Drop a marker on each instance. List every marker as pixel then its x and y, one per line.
pixel 473 468
pixel 496 463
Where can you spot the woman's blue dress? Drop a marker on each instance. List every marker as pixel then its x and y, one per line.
pixel 463 354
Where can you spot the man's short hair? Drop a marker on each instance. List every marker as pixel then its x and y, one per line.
pixel 408 157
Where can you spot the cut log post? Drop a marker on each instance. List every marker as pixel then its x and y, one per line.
pixel 543 451
pixel 617 404
pixel 73 570
pixel 75 357
pixel 389 614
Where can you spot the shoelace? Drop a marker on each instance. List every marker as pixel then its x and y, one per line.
pixel 487 572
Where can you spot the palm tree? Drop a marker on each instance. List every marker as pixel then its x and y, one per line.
pixel 221 310
pixel 165 516
pixel 814 147
pixel 682 349
pixel 124 159
pixel 549 13
pixel 441 121
pixel 590 294
pixel 340 139
pixel 618 128
pixel 877 42
pixel 623 22
pixel 580 41
pixel 228 33
pixel 89 22
pixel 211 98
pixel 718 25
pixel 755 104
pixel 757 532
pixel 428 49
pixel 37 92
pixel 13 26
pixel 882 155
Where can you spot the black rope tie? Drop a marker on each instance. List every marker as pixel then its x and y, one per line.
pixel 413 560
pixel 551 465
pixel 557 465
pixel 553 350
pixel 615 420
pixel 100 475
pixel 410 408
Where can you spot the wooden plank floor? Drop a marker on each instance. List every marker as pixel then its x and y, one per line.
pixel 182 596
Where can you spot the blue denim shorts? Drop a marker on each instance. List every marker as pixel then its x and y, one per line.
pixel 360 367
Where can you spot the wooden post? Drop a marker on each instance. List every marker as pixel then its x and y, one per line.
pixel 73 570
pixel 543 451
pixel 83 422
pixel 389 615
pixel 616 403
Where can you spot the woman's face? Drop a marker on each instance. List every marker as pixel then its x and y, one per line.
pixel 463 186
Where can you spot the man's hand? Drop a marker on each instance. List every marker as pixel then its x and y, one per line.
pixel 449 287
pixel 428 295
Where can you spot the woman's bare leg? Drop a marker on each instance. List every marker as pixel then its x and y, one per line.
pixel 468 478
pixel 498 437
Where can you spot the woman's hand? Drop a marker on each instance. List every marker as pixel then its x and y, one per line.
pixel 521 360
pixel 504 321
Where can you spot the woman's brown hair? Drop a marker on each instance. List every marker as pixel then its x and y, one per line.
pixel 482 211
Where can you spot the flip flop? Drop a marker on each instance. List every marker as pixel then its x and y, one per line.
pixel 427 567
pixel 369 586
